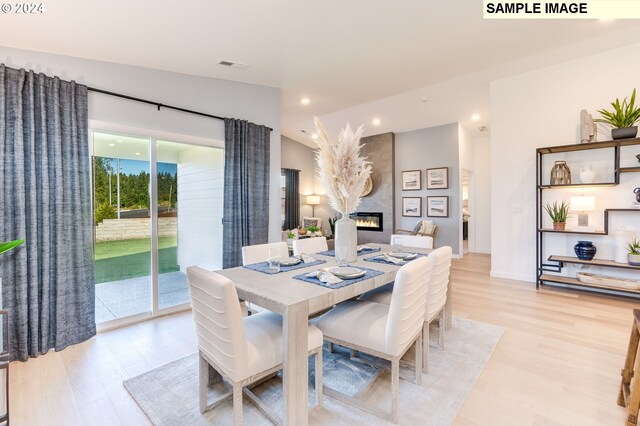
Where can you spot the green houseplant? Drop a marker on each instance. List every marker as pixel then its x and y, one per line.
pixel 312 230
pixel 558 214
pixel 623 118
pixel 634 252
pixel 9 245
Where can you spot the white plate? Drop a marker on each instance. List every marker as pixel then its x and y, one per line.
pixel 347 272
pixel 290 261
pixel 403 255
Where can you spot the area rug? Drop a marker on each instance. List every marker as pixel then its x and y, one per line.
pixel 169 394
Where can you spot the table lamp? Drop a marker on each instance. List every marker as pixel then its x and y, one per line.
pixel 313 201
pixel 583 204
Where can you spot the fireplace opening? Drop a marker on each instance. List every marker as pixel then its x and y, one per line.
pixel 368 221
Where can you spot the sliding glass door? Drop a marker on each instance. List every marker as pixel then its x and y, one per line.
pixel 157 210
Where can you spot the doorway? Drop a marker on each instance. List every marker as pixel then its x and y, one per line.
pixel 468 212
pixel 157 211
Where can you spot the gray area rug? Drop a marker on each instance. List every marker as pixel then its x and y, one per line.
pixel 169 395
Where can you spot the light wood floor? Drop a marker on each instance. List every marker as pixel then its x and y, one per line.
pixel 558 362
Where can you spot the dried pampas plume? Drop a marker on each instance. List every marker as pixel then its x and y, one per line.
pixel 341 170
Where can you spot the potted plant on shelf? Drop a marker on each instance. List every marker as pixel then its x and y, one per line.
pixel 634 252
pixel 558 214
pixel 622 118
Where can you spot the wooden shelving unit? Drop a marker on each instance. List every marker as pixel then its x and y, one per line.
pixel 554 263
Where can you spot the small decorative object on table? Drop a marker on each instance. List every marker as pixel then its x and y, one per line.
pixel 560 174
pixel 622 118
pixel 637 192
pixel 558 214
pixel 634 252
pixel 343 173
pixel 585 250
pixel 587 175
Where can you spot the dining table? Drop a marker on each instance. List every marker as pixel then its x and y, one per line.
pixel 296 301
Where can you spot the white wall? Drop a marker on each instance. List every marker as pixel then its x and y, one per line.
pixel 258 104
pixel 200 201
pixel 482 194
pixel 466 150
pixel 431 148
pixel 542 108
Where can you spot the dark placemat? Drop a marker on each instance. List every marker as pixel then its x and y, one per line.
pixel 360 253
pixel 379 259
pixel 370 273
pixel 264 267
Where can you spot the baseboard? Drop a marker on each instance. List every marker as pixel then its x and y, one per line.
pixel 481 251
pixel 456 256
pixel 511 276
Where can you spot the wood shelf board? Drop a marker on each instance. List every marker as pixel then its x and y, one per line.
pixel 578 147
pixel 622 210
pixel 629 169
pixel 594 262
pixel 574 281
pixel 629 142
pixel 573 232
pixel 578 185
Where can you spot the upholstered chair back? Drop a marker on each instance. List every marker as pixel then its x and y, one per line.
pixel 260 252
pixel 406 311
pixel 440 268
pixel 310 245
pixel 218 319
pixel 416 241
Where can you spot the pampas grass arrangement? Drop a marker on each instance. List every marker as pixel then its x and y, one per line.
pixel 341 170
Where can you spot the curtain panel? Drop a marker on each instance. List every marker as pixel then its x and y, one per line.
pixel 291 198
pixel 45 197
pixel 246 188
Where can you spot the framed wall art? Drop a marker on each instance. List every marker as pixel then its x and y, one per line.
pixel 412 180
pixel 438 206
pixel 412 206
pixel 438 178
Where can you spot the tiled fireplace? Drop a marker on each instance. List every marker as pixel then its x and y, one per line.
pixel 368 221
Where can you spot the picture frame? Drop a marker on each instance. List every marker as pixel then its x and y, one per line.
pixel 438 206
pixel 412 206
pixel 412 180
pixel 438 178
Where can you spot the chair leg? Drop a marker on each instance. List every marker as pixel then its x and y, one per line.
pixel 237 405
pixel 425 347
pixel 203 379
pixel 395 388
pixel 319 389
pixel 330 346
pixel 419 360
pixel 441 330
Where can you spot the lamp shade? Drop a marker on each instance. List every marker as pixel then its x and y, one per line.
pixel 313 200
pixel 583 203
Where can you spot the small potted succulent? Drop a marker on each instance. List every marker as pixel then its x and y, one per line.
pixel 290 237
pixel 313 230
pixel 634 252
pixel 623 118
pixel 558 214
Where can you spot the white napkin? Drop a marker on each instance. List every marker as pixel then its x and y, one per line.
pixel 306 258
pixel 324 276
pixel 364 248
pixel 390 259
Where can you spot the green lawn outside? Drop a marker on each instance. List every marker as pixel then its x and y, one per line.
pixel 122 259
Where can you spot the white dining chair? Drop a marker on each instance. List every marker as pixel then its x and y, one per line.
pixel 440 259
pixel 310 245
pixel 416 241
pixel 385 331
pixel 260 252
pixel 241 350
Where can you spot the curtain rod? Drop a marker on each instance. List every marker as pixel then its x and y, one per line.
pixel 157 104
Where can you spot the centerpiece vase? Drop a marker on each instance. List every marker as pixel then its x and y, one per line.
pixel 346 244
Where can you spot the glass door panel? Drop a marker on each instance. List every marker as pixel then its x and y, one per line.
pixel 122 237
pixel 189 203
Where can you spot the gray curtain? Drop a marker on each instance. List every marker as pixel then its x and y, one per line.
pixel 291 198
pixel 45 199
pixel 246 188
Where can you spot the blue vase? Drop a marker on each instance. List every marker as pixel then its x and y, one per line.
pixel 585 250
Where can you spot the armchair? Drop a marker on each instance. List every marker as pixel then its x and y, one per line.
pixel 424 228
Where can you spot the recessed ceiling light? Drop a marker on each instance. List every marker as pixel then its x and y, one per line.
pixel 305 101
pixel 375 121
pixel 137 153
pixel 119 140
pixel 475 117
pixel 314 136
